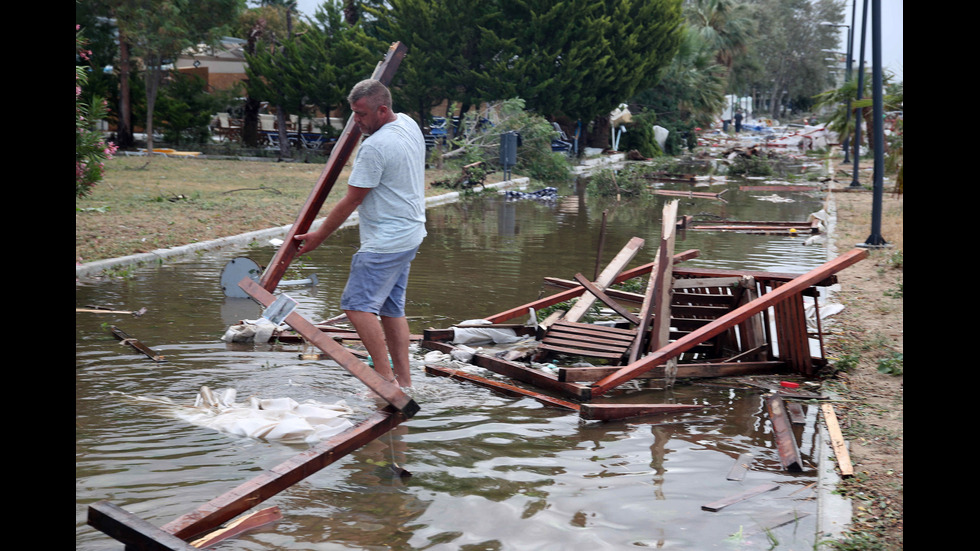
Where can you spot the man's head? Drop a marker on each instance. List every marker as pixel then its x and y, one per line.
pixel 370 101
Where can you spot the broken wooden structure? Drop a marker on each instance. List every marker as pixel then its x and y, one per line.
pixel 691 323
pixel 136 533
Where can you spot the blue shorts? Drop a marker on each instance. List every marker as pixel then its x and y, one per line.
pixel 377 283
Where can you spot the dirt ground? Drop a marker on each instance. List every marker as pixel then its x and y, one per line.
pixel 866 346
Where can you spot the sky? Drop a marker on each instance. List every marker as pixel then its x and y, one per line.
pixel 891 31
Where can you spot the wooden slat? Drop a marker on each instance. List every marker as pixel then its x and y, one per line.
pixel 837 441
pixel 576 351
pixel 328 177
pixel 384 388
pixel 238 526
pixel 606 278
pixel 723 323
pixel 605 299
pixel 750 493
pixel 595 330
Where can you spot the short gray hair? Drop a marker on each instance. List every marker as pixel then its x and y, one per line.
pixel 376 93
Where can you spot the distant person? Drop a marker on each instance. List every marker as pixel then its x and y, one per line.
pixel 738 121
pixel 387 187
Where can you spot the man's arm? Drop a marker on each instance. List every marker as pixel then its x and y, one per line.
pixel 337 216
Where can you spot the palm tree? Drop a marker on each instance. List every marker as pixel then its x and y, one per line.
pixel 725 26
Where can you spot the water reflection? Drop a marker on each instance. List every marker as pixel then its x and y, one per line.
pixel 488 472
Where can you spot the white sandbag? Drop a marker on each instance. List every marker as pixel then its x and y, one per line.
pixel 260 331
pixel 483 335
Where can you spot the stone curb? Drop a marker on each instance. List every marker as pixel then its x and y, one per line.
pixel 97 267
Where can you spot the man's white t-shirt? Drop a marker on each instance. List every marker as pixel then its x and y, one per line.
pixel 392 163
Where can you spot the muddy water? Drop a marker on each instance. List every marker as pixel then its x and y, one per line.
pixel 488 472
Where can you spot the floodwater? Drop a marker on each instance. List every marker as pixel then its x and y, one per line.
pixel 488 471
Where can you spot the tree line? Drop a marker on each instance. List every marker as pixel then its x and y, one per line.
pixel 569 61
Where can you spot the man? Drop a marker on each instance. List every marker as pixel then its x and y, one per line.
pixel 387 188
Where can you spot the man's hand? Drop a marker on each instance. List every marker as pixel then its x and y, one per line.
pixel 307 242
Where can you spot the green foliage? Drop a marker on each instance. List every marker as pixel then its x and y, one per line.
pixel 535 158
pixel 576 58
pixel 892 364
pixel 750 165
pixel 639 135
pixel 184 109
pixel 91 150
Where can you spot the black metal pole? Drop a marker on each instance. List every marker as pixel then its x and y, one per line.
pixel 850 63
pixel 859 117
pixel 875 239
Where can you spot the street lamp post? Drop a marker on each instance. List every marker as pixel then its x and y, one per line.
pixel 875 239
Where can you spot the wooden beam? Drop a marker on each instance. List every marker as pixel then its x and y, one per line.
pixel 606 278
pixel 503 388
pixel 384 388
pixel 646 310
pixel 328 177
pixel 247 495
pixel 723 323
pixel 664 280
pixel 131 530
pixel 789 451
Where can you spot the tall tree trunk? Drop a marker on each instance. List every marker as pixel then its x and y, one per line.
pixel 284 150
pixel 124 127
pixel 250 117
pixel 153 78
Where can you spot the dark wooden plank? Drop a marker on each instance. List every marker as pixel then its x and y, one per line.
pixel 328 177
pixel 789 451
pixel 605 299
pixel 606 278
pixel 611 412
pixel 131 530
pixel 504 388
pixel 750 493
pixel 135 344
pixel 729 320
pixel 577 351
pixel 384 388
pixel 684 371
pixel 593 329
pixel 247 495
